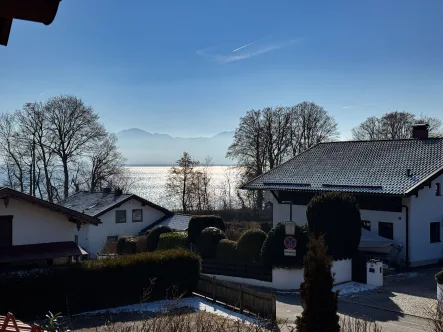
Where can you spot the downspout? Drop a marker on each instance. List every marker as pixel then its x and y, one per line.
pixel 407 234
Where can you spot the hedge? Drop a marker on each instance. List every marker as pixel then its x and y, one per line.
pixel 154 236
pixel 141 244
pixel 226 251
pixel 272 253
pixel 337 216
pixel 439 277
pixel 127 245
pixel 199 223
pixel 173 240
pixel 207 241
pixel 249 245
pixel 98 284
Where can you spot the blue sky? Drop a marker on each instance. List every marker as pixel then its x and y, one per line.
pixel 175 66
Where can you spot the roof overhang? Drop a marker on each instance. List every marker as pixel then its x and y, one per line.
pixel 41 11
pixel 426 181
pixel 73 216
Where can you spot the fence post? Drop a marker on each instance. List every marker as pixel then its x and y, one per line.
pixel 214 285
pixel 241 299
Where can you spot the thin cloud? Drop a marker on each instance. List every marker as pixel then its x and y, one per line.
pixel 227 58
pixel 41 94
pixel 346 107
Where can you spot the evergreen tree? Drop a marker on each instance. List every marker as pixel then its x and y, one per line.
pixel 320 302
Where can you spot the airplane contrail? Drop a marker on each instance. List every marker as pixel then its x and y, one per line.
pixel 238 49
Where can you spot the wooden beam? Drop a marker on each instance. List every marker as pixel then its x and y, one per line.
pixel 5 29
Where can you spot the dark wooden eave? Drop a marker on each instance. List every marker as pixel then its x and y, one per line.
pixel 41 11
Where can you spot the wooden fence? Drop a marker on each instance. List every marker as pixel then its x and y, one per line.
pixel 252 271
pixel 238 296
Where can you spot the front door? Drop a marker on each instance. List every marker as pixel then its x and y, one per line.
pixel 5 231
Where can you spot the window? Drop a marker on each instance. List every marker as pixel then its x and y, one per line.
pixel 434 232
pixel 438 189
pixel 120 216
pixel 137 215
pixel 386 229
pixel 366 224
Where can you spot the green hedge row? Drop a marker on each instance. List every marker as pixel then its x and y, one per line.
pixel 98 284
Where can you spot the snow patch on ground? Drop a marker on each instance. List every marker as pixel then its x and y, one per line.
pixel 353 287
pixel 162 306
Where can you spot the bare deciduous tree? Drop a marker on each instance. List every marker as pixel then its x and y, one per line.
pixel 179 183
pixel 73 130
pixel 311 125
pixel 394 125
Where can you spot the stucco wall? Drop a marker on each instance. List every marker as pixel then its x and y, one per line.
pixel 424 209
pixel 32 224
pixel 281 213
pixel 95 238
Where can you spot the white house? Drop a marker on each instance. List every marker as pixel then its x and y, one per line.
pixel 120 215
pixel 398 184
pixel 35 229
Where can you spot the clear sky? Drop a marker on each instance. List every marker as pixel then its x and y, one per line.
pixel 192 68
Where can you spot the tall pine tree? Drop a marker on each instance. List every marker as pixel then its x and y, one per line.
pixel 320 302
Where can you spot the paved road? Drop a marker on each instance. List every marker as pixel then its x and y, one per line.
pixel 289 307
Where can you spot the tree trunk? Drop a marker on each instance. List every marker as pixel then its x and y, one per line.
pixel 65 178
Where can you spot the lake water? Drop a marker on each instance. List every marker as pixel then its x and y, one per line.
pixel 150 181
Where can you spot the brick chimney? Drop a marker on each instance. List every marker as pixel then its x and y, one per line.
pixel 420 131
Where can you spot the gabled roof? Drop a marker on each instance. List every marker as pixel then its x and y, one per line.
pixel 97 203
pixel 178 222
pixel 370 167
pixel 74 216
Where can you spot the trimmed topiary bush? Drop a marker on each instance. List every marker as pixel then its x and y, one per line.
pixel 99 284
pixel 141 244
pixel 337 216
pixel 174 240
pixel 320 302
pixel 226 251
pixel 439 277
pixel 207 241
pixel 249 245
pixel 266 226
pixel 127 245
pixel 154 236
pixel 199 223
pixel 272 253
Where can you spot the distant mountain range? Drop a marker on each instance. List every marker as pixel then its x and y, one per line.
pixel 143 148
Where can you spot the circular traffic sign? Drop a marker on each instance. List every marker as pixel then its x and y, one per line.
pixel 290 242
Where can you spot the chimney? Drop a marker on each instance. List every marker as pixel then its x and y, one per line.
pixel 420 131
pixel 106 190
pixel 118 192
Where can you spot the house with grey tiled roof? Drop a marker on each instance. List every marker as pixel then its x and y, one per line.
pixel 398 184
pixel 120 214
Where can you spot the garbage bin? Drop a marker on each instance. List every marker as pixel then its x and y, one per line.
pixel 374 269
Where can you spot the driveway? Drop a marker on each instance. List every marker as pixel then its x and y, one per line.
pixel 400 306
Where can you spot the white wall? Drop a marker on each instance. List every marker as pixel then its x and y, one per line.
pixel 281 213
pixel 32 224
pixel 424 209
pixel 95 238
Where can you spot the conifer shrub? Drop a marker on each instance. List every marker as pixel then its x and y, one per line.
pixel 226 251
pixel 154 236
pixel 250 244
pixel 319 301
pixel 272 253
pixel 127 245
pixel 173 240
pixel 337 217
pixel 208 240
pixel 199 223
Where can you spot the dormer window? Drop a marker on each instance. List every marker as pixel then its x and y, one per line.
pixel 438 189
